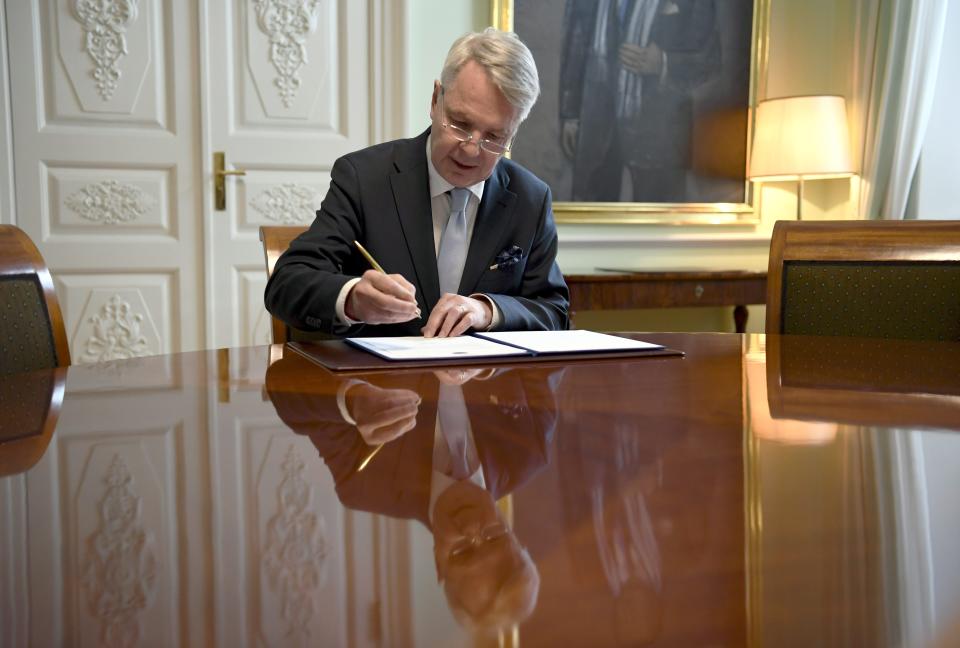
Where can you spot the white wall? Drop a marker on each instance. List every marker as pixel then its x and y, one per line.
pixel 434 25
pixel 938 192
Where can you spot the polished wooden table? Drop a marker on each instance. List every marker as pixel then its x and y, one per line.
pixel 774 491
pixel 619 290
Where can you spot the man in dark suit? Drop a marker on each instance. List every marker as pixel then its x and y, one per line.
pixel 466 237
pixel 628 71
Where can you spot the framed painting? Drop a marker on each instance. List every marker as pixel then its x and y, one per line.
pixel 645 112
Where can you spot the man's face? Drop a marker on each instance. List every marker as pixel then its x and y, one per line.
pixel 477 555
pixel 461 512
pixel 473 103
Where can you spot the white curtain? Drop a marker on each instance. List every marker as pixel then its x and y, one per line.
pixel 894 78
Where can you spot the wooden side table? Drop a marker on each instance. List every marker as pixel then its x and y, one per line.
pixel 619 289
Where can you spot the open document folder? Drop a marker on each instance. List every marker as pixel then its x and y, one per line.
pixel 491 345
pixel 360 355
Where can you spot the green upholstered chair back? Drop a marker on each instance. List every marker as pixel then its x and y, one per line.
pixel 903 300
pixel 895 280
pixel 26 338
pixel 32 335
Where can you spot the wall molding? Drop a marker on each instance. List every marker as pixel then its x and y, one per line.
pixel 620 237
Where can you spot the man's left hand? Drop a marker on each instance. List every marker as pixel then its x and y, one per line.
pixel 454 314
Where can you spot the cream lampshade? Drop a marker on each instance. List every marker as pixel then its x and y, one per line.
pixel 801 138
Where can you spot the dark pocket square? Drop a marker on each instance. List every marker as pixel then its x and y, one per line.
pixel 508 257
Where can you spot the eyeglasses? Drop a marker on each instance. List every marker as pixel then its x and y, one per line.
pixel 464 546
pixel 495 146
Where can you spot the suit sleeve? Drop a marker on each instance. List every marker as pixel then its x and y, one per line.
pixel 692 46
pixel 543 300
pixel 303 289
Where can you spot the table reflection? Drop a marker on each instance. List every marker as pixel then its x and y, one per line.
pixel 650 519
pixel 758 491
pixel 439 447
pixel 885 383
pixel 852 445
pixel 29 409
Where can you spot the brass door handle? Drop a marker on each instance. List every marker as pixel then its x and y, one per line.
pixel 219 180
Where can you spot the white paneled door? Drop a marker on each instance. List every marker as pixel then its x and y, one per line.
pixel 287 91
pixel 106 166
pixel 118 108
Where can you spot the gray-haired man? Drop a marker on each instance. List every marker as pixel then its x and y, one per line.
pixel 466 237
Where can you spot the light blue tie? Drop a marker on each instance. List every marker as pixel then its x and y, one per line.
pixel 455 427
pixel 453 243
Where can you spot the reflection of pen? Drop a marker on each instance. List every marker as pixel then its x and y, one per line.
pixel 376 266
pixel 370 456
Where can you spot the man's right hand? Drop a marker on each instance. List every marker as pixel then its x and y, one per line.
pixel 641 60
pixel 382 299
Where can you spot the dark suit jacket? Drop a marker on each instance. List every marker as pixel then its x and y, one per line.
pixel 513 416
pixel 659 135
pixel 380 196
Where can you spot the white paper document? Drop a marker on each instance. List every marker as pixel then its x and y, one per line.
pixel 491 345
pixel 567 341
pixel 421 348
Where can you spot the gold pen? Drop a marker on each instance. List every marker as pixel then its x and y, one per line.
pixel 369 257
pixel 376 266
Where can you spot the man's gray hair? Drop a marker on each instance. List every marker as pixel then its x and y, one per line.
pixel 505 58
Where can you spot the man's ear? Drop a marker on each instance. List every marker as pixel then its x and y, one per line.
pixel 435 98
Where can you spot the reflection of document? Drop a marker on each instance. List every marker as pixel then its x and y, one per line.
pixel 488 345
pixel 421 348
pixel 567 341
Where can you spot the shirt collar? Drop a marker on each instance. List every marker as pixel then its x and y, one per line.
pixel 439 186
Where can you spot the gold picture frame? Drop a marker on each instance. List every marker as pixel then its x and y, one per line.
pixel 734 143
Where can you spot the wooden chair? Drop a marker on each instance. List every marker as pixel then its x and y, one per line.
pixel 276 239
pixel 880 279
pixel 32 334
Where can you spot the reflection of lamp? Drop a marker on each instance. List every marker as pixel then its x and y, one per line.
pixel 801 138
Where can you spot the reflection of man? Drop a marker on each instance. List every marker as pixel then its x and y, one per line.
pixel 652 503
pixel 628 69
pixel 407 457
pixel 614 483
pixel 467 235
pixel 489 579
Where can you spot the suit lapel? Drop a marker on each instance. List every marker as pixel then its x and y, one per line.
pixel 411 193
pixel 490 229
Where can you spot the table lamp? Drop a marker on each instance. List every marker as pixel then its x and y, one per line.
pixel 801 138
